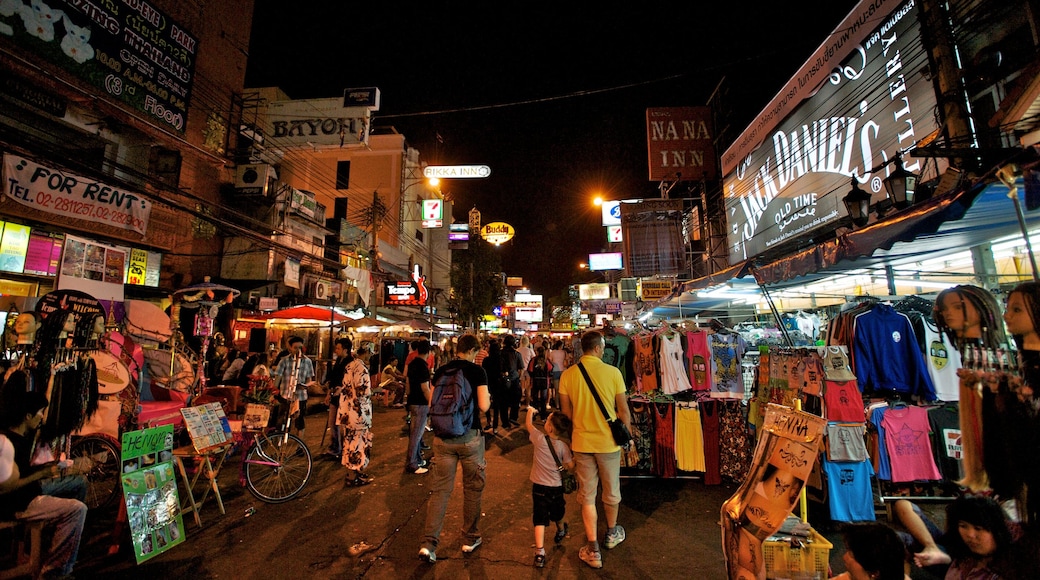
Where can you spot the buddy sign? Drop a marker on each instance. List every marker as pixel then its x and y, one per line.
pixel 497 233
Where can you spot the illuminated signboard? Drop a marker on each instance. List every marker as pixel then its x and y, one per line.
pixel 607 261
pixel 44 253
pixel 680 143
pixel 614 234
pixel 456 171
pixel 593 291
pixel 611 211
pixel 410 293
pixel 497 233
pixel 14 244
pixel 856 103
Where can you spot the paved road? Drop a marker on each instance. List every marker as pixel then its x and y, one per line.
pixel 671 526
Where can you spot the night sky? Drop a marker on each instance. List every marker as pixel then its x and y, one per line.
pixel 552 97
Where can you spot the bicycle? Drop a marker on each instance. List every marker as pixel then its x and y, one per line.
pixel 277 465
pixel 103 485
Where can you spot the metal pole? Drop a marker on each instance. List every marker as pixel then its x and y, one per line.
pixel 1013 194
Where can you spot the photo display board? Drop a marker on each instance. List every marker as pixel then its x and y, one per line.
pixel 150 491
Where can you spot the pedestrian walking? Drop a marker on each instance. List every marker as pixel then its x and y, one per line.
pixel 512 364
pixel 597 457
pixel 492 366
pixel 558 359
pixel 294 373
pixel 547 495
pixel 419 392
pixel 539 369
pixel 466 449
pixel 333 387
pixel 355 416
pixel 526 354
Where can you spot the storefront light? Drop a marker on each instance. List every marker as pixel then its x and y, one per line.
pixel 900 185
pixel 857 204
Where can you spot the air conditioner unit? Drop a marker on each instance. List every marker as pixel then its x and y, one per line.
pixel 322 290
pixel 254 179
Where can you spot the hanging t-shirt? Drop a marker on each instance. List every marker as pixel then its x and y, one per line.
pixel 848 491
pixel 942 361
pixel 699 360
pixel 945 424
pixel 673 371
pixel 845 442
pixel 646 370
pixel 689 440
pixel 843 402
pixel 727 352
pixel 618 353
pixel 909 445
pixel 884 469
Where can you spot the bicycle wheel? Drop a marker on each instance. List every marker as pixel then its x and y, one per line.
pixel 277 468
pixel 103 477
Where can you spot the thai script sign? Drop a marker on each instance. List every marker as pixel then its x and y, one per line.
pixel 70 195
pixel 129 49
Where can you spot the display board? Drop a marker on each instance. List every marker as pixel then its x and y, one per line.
pixel 207 425
pixel 150 491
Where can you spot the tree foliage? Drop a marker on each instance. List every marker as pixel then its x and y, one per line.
pixel 476 281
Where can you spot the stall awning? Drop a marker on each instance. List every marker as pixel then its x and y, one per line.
pixel 948 223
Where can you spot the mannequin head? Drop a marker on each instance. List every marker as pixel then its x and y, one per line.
pixel 1021 314
pixel 970 314
pixel 25 326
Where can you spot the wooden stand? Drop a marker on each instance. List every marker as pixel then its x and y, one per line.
pixel 211 460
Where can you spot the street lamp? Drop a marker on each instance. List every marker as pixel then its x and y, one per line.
pixel 857 204
pixel 900 185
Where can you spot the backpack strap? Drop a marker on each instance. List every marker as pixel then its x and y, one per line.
pixel 595 395
pixel 556 458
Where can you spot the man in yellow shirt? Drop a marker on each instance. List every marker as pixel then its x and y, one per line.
pixel 597 458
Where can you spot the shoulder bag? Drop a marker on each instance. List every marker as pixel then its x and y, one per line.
pixel 570 482
pixel 617 428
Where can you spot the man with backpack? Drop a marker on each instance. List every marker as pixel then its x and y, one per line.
pixel 459 396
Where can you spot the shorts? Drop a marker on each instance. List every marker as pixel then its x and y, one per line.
pixel 595 469
pixel 549 504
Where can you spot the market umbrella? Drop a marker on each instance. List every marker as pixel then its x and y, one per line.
pixel 308 312
pixel 363 321
pixel 414 324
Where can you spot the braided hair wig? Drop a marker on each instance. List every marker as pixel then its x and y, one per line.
pixel 993 335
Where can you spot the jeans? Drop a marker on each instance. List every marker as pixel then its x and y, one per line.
pixel 418 426
pixel 513 396
pixel 67 517
pixel 69 486
pixel 469 451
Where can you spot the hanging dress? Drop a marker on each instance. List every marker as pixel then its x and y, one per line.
pixel 689 440
pixel 710 427
pixel 664 439
pixel 643 422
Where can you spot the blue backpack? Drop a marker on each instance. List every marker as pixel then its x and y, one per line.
pixel 451 407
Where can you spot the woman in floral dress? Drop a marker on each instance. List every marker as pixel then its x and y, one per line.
pixel 355 416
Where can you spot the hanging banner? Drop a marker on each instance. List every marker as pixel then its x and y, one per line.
pixel 784 457
pixel 653 241
pixel 94 268
pixel 150 491
pixel 73 196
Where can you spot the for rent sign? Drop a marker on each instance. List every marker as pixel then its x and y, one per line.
pixel 70 195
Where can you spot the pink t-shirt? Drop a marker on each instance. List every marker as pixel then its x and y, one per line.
pixel 908 444
pixel 698 360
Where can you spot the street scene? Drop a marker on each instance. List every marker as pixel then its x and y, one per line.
pixel 737 290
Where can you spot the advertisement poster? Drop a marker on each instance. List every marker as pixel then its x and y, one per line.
pixel 94 268
pixel 150 491
pixel 784 457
